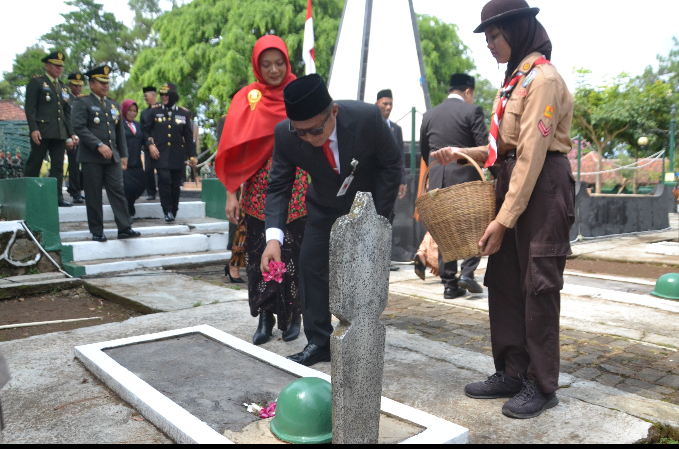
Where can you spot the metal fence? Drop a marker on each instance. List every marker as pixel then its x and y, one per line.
pixel 14 136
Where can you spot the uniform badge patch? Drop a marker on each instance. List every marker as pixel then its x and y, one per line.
pixel 530 77
pixel 521 92
pixel 526 66
pixel 549 112
pixel 543 129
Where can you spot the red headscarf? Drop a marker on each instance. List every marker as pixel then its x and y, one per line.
pixel 127 104
pixel 247 138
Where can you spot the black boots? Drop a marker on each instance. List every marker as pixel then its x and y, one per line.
pixel 293 329
pixel 263 332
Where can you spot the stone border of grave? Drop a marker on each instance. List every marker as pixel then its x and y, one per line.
pixel 182 427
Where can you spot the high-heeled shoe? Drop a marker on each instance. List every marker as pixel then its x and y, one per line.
pixel 265 328
pixel 293 329
pixel 233 280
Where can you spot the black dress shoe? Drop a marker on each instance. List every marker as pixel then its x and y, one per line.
pixel 128 233
pixel 169 217
pixel 394 268
pixel 452 293
pixel 420 268
pixel 470 284
pixel 77 199
pixel 64 203
pixel 293 329
pixel 150 197
pixel 99 237
pixel 311 355
pixel 263 332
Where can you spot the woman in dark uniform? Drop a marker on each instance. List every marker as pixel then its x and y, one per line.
pixel 133 177
pixel 528 241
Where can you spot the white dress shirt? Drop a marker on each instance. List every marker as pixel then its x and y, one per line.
pixel 277 234
pixel 456 96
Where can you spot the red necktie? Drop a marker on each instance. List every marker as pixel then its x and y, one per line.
pixel 132 128
pixel 329 156
pixel 500 112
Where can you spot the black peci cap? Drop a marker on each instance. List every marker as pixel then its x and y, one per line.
pixel 386 93
pixel 306 97
pixel 149 89
pixel 462 80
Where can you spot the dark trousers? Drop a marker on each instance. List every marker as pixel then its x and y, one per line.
pixel 525 277
pixel 314 262
pixel 150 171
pixel 74 174
pixel 56 150
pixel 169 188
pixel 109 176
pixel 448 271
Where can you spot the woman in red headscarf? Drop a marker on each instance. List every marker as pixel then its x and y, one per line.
pixel 244 162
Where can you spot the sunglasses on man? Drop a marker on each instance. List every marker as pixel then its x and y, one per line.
pixel 313 132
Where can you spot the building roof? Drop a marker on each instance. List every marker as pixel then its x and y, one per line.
pixel 10 111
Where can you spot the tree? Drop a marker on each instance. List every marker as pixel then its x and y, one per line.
pixel 26 65
pixel 91 37
pixel 205 47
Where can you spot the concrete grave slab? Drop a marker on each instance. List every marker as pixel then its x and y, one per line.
pixel 183 427
pixel 97 267
pixel 159 291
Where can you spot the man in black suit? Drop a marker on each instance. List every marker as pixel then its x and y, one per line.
pixel 454 123
pixel 385 101
pixel 331 141
pixel 150 163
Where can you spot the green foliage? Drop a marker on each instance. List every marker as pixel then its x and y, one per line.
pixel 205 47
pixel 26 65
pixel 444 54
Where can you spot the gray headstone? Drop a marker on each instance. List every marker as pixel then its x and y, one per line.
pixel 360 249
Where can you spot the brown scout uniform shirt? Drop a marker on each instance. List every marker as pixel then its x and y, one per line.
pixel 537 119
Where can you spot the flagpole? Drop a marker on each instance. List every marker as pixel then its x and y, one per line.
pixel 308 43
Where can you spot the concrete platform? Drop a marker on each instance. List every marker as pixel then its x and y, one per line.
pixel 192 209
pixel 144 247
pixel 53 399
pixel 104 266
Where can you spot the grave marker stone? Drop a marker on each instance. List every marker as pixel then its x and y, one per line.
pixel 360 249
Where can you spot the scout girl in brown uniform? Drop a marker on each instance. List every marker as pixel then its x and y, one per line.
pixel 529 239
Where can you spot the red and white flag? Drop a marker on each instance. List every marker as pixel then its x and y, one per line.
pixel 308 45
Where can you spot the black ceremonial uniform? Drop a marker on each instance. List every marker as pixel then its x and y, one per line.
pixel 99 121
pixel 150 164
pixel 170 130
pixel 48 110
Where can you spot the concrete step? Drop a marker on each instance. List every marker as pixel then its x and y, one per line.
pixel 151 246
pixel 96 267
pixel 192 209
pixel 112 233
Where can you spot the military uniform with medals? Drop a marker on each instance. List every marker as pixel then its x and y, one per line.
pixel 169 129
pixel 48 110
pixel 98 121
pixel 74 174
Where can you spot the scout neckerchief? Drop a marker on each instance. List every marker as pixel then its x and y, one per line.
pixel 500 111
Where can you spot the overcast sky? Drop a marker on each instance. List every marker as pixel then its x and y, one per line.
pixel 604 36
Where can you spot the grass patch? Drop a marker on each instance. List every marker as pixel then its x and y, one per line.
pixel 34 271
pixel 198 304
pixel 214 302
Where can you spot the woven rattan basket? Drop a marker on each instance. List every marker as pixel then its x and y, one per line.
pixel 457 216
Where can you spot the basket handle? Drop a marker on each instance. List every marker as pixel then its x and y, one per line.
pixel 476 166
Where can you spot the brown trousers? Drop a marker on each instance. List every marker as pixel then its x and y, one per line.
pixel 525 277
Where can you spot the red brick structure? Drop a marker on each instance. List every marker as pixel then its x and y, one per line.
pixel 11 111
pixel 647 175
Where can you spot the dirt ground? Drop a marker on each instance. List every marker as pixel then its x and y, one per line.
pixel 636 270
pixel 60 305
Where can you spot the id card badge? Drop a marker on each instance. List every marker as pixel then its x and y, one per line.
pixel 345 185
pixel 350 178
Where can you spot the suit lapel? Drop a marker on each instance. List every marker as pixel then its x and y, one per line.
pixel 346 142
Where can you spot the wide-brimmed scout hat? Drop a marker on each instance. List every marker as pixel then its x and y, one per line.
pixel 497 10
pixel 56 58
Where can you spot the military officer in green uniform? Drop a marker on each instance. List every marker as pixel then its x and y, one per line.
pixel 103 155
pixel 48 111
pixel 75 85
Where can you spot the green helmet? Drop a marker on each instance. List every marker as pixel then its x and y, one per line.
pixel 304 412
pixel 667 286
